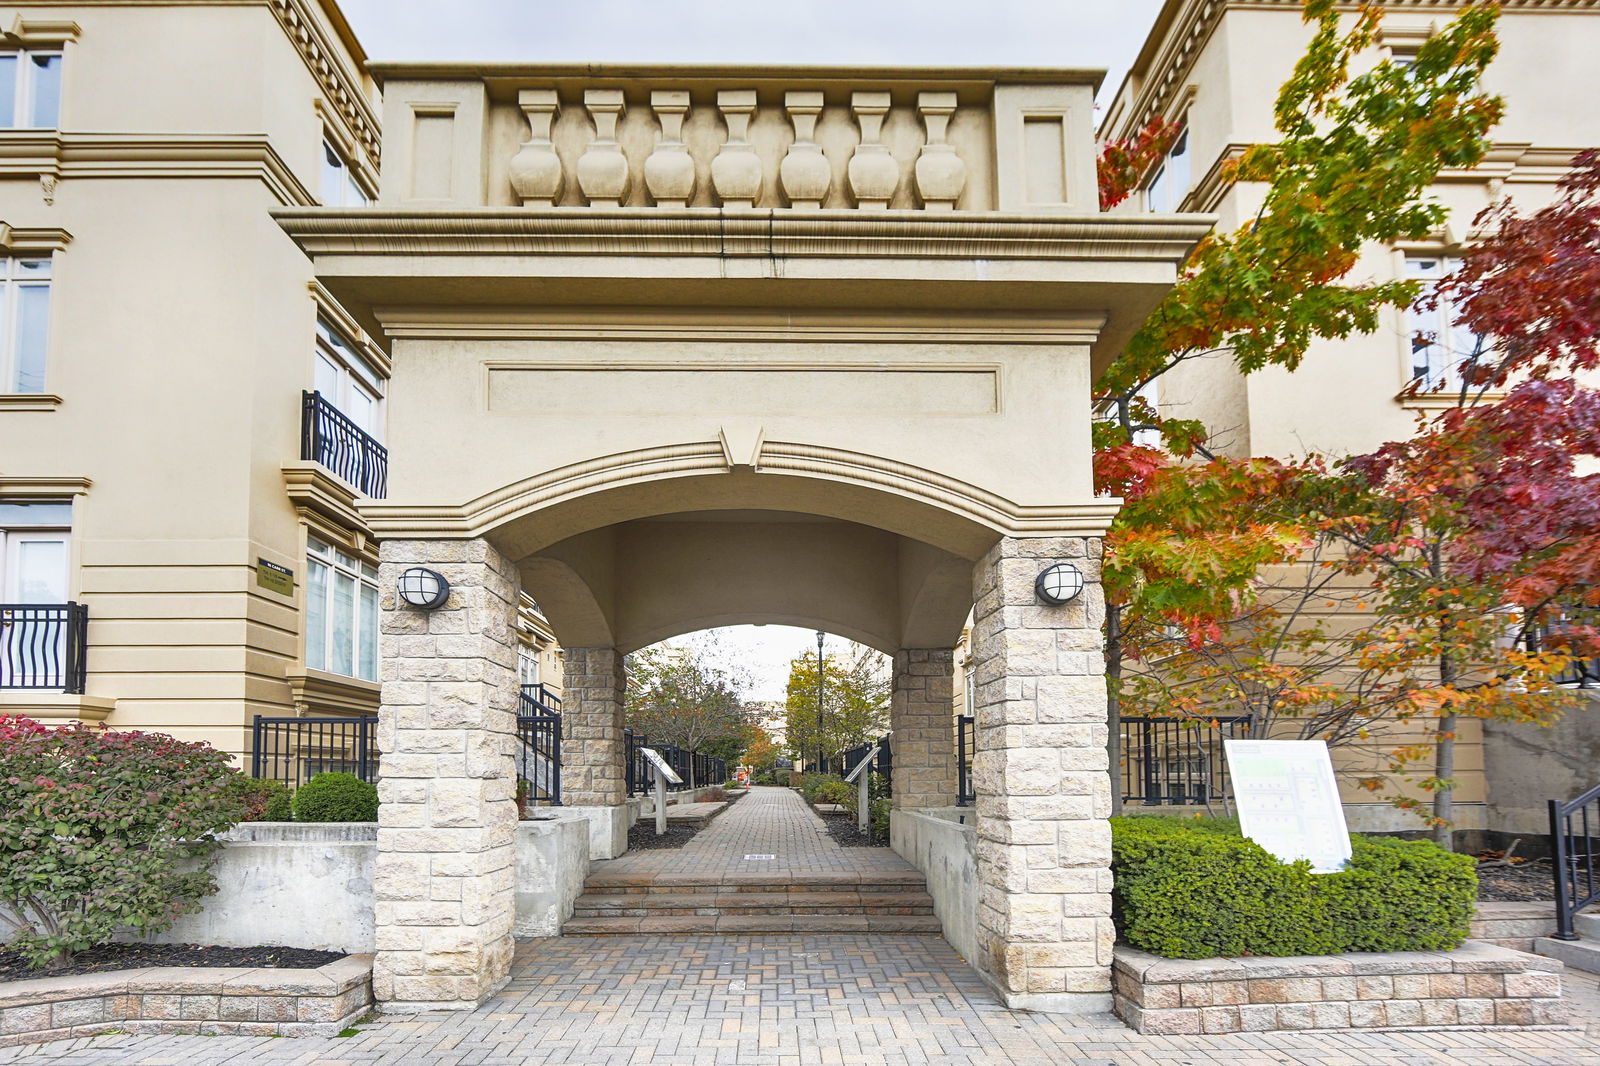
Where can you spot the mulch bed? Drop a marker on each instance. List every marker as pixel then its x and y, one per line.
pixel 1529 881
pixel 642 834
pixel 842 828
pixel 141 956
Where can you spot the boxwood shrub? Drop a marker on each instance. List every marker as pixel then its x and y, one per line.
pixel 336 797
pixel 1190 888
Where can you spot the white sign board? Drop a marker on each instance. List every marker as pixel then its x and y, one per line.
pixel 862 765
pixel 1288 800
pixel 655 760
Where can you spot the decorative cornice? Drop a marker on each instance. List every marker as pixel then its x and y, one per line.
pixel 39 33
pixel 20 485
pixel 760 232
pixel 479 516
pixel 1505 163
pixel 333 692
pixel 29 401
pixel 1183 27
pixel 54 154
pixel 317 494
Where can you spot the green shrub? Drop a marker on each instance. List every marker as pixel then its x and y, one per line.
pixel 1196 888
pixel 262 800
pixel 335 797
pixel 809 783
pixel 95 828
pixel 834 791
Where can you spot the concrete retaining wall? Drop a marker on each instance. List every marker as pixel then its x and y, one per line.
pixel 311 885
pixel 552 862
pixel 1561 759
pixel 937 842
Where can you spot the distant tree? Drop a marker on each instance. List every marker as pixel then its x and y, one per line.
pixel 855 702
pixel 676 696
pixel 762 752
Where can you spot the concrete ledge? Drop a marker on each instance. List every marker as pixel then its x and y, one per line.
pixel 1476 985
pixel 1581 954
pixel 200 999
pixel 552 862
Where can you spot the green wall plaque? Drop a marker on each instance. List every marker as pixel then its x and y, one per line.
pixel 275 578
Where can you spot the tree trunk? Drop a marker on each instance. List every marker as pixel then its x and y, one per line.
pixel 1114 703
pixel 1444 765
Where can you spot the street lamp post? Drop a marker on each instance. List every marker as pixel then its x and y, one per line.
pixel 820 636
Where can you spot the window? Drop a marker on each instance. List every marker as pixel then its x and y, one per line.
pixel 341 612
pixel 24 323
pixel 34 541
pixel 339 188
pixel 348 381
pixel 1171 181
pixel 527 666
pixel 30 90
pixel 1438 344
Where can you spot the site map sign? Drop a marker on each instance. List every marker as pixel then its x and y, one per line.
pixel 1288 800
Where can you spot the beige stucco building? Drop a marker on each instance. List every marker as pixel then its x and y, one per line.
pixel 158 465
pixel 1215 68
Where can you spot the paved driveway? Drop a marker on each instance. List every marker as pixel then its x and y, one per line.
pixel 793 1001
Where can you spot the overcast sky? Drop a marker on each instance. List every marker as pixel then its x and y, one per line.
pixel 1046 33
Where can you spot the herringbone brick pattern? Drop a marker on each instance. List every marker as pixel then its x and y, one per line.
pixel 789 1001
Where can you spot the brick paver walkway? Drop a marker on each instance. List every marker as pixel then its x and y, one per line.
pixel 789 1001
pixel 769 821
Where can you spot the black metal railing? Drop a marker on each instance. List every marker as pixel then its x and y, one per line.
pixel 294 750
pixel 966 747
pixel 329 437
pixel 696 769
pixel 539 700
pixel 1575 845
pixel 539 756
pixel 1177 760
pixel 1581 673
pixel 882 763
pixel 43 645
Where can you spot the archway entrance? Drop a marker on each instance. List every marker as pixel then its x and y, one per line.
pixel 669 345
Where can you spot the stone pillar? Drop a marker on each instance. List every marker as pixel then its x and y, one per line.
pixel 592 687
pixel 1042 784
pixel 924 731
pixel 445 887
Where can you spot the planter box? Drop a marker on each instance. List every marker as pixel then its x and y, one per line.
pixel 197 999
pixel 1475 985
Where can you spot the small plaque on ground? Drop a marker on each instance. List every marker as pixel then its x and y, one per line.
pixel 759 858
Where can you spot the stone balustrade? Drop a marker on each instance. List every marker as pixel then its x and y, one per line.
pixel 796 139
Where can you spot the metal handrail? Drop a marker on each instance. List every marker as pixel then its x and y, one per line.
pixel 1575 844
pixel 44 646
pixel 329 437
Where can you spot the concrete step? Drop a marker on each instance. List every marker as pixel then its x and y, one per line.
pixel 1587 925
pixel 1581 954
pixel 641 884
pixel 705 903
pixel 752 924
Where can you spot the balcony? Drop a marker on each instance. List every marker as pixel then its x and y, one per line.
pixel 42 647
pixel 328 437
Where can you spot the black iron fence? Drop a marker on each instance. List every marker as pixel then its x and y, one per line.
pixel 1581 673
pixel 966 746
pixel 696 769
pixel 1177 760
pixel 329 437
pixel 882 763
pixel 1575 844
pixel 42 646
pixel 538 700
pixel 294 750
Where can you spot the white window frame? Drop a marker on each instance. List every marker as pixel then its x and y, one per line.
pixel 11 285
pixel 354 376
pixel 24 90
pixel 1165 191
pixel 1451 344
pixel 529 668
pixel 339 561
pixel 336 178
